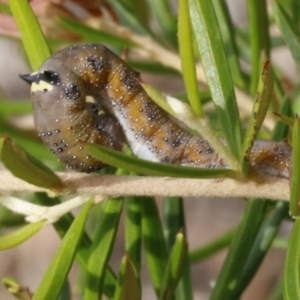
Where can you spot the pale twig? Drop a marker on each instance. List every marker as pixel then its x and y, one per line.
pixel 264 187
pixel 89 185
pixel 36 213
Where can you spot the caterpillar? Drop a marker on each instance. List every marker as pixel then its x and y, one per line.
pixel 86 93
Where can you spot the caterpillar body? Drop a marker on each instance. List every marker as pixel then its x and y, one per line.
pixel 120 111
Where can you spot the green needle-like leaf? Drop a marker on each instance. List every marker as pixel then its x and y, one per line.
pixel 133 231
pixel 185 37
pixel 162 13
pixel 217 71
pixel 282 128
pixel 291 288
pixel 83 250
pixel 159 98
pixel 261 246
pixel 173 219
pixel 229 37
pixel 101 248
pixel 92 35
pixel 129 287
pixel 265 231
pixel 287 120
pixel 174 223
pixel 139 9
pixel 289 30
pixel 154 243
pixel 33 38
pixel 239 250
pixel 133 164
pixel 260 108
pixel 26 140
pixel 295 187
pixel 26 167
pixel 175 267
pixel 259 38
pixel 20 235
pixel 130 19
pixel 57 272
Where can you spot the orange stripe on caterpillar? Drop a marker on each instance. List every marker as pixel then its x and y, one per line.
pixel 120 111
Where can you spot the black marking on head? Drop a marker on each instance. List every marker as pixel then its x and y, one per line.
pixel 50 77
pixel 47 76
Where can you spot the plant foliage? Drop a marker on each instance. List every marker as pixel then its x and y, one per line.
pixel 207 49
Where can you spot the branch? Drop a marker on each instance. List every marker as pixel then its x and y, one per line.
pixel 257 186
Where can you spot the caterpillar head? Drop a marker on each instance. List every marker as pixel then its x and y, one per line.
pixel 57 97
pixel 47 86
pixel 64 118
